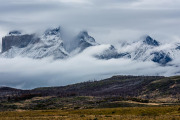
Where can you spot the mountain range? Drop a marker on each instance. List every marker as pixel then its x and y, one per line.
pixel 52 44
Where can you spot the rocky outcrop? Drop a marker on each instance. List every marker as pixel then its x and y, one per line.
pixel 54 43
pixel 110 53
pixel 48 44
pixel 150 41
pixel 19 41
pixel 82 41
pixel 161 58
pixel 178 47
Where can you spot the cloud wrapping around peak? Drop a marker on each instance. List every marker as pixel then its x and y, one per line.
pixel 108 21
pixel 29 73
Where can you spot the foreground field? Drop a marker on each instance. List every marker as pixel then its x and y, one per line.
pixel 115 98
pixel 126 113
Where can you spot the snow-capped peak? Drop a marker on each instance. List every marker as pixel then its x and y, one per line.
pixel 52 37
pixel 83 36
pixel 51 44
pixel 149 41
pixel 54 31
pixel 80 42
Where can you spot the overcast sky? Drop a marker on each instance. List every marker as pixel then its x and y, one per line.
pixel 108 21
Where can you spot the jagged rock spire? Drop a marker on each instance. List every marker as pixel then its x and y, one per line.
pixel 149 41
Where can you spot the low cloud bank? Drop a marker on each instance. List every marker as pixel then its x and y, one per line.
pixel 28 73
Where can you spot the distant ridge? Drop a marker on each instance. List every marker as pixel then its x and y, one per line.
pixel 145 87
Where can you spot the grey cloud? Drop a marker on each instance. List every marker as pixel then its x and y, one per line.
pixel 95 17
pixel 108 21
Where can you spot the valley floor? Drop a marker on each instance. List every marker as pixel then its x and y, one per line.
pixel 124 113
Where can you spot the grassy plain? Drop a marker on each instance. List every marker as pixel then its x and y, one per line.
pixel 123 113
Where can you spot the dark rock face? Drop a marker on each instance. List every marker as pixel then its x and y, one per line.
pixel 83 36
pixel 113 56
pixel 19 41
pixel 54 31
pixel 83 45
pixel 84 40
pixel 161 58
pixel 111 53
pixel 150 41
pixel 178 48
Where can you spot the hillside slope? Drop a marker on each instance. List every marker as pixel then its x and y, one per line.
pixel 146 87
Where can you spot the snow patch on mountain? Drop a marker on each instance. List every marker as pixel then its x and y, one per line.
pixel 151 50
pixel 52 44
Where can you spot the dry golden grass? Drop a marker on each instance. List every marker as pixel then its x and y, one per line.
pixel 93 117
pixel 129 113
